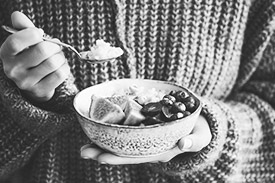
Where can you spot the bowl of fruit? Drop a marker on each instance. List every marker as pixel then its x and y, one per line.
pixel 136 117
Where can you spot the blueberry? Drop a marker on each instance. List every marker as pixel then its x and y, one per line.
pixel 170 97
pixel 179 107
pixel 190 103
pixel 167 102
pixel 183 95
pixel 186 113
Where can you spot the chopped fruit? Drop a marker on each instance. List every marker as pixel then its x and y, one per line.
pixel 104 111
pixel 132 105
pixel 134 118
pixel 155 108
pixel 120 100
pixel 132 113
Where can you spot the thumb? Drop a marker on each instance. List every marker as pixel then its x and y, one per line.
pixel 198 139
pixel 20 20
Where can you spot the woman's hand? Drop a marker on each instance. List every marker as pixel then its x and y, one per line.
pixel 37 67
pixel 198 139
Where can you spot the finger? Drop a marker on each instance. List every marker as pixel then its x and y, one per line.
pixel 37 54
pixel 20 41
pixel 198 139
pixel 55 78
pixel 90 151
pixel 20 20
pixel 108 158
pixel 112 159
pixel 34 75
pixel 44 89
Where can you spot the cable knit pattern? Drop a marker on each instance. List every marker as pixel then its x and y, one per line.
pixel 222 50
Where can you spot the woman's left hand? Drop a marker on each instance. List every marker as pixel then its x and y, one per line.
pixel 194 142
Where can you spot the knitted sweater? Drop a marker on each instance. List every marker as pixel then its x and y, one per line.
pixel 223 50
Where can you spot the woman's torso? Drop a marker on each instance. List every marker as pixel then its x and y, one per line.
pixel 195 43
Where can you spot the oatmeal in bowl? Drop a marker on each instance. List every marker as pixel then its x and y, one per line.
pixel 136 117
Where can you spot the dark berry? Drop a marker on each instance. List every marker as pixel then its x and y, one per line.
pixel 186 113
pixel 154 120
pixel 167 102
pixel 190 103
pixel 170 97
pixel 179 107
pixel 179 115
pixel 174 117
pixel 151 109
pixel 176 95
pixel 183 95
pixel 167 112
pixel 150 121
pixel 189 99
pixel 172 92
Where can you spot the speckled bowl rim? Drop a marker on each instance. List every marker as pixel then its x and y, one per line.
pixel 198 109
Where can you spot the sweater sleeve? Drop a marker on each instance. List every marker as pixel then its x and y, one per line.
pixel 242 126
pixel 24 126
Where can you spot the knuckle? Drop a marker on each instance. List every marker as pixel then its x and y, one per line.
pixel 41 49
pixel 14 44
pixel 36 35
pixel 11 73
pixel 63 72
pixel 47 50
pixel 52 47
pixel 24 85
pixel 54 62
pixel 51 64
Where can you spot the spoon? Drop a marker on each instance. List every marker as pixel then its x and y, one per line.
pixel 79 54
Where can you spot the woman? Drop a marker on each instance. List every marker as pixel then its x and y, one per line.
pixel 222 50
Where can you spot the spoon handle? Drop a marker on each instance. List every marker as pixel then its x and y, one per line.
pixel 45 38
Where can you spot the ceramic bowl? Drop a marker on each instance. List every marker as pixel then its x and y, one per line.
pixel 132 141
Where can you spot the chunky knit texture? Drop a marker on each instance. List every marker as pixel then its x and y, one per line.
pixel 222 50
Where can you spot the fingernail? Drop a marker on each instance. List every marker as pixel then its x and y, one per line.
pixel 187 144
pixel 81 151
pixel 84 147
pixel 102 162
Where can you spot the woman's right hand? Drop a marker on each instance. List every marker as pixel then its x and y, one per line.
pixel 37 67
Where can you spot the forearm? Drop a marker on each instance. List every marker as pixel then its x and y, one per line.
pixel 24 126
pixel 16 144
pixel 241 129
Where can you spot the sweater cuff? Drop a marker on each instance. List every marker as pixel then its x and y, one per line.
pixel 217 117
pixel 36 119
pixel 61 102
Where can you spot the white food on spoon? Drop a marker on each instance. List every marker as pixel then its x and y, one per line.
pixel 102 51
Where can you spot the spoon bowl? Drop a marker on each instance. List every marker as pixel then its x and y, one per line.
pixel 79 54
